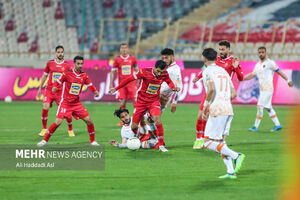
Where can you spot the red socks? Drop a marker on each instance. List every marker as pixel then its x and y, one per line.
pixel 160 134
pixel 91 131
pixel 44 118
pixel 51 130
pixel 69 121
pixel 200 127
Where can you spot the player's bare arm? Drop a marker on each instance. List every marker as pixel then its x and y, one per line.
pixel 44 78
pixel 209 97
pixel 235 62
pixel 112 76
pixel 233 91
pixel 250 76
pixel 289 82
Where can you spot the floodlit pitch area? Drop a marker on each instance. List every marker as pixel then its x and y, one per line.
pixel 182 173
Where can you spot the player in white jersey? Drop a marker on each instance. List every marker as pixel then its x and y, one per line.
pixel 264 70
pixel 218 112
pixel 145 132
pixel 166 93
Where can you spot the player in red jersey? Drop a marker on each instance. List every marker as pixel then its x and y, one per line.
pixel 231 65
pixel 53 70
pixel 126 65
pixel 72 83
pixel 148 97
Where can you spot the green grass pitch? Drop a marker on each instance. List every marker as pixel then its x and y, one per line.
pixel 182 173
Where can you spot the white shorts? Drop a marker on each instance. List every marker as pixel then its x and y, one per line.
pixel 265 99
pixel 218 126
pixel 166 92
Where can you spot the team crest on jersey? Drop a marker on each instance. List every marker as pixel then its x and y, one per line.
pixel 55 76
pixel 152 88
pixel 126 69
pixel 75 88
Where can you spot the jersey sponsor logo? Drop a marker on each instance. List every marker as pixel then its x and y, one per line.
pixel 126 69
pixel 55 76
pixel 75 88
pixel 152 88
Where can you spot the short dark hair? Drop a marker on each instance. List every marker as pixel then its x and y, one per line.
pixel 210 54
pixel 59 47
pixel 262 47
pixel 122 44
pixel 167 51
pixel 119 111
pixel 78 58
pixel 160 64
pixel 224 43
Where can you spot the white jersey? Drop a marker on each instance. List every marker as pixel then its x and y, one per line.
pixel 221 102
pixel 126 131
pixel 265 73
pixel 175 75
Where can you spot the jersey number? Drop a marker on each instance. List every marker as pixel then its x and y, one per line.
pixel 223 77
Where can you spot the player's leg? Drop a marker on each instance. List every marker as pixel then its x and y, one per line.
pixel 164 100
pixel 273 116
pixel 50 132
pixel 90 129
pixel 44 118
pixel 70 127
pixel 200 127
pixel 259 116
pixel 154 111
pixel 215 131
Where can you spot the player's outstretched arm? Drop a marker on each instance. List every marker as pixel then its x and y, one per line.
pixel 122 84
pixel 249 76
pixel 280 73
pixel 44 78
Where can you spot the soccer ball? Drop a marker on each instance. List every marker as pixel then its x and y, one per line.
pixel 8 99
pixel 133 143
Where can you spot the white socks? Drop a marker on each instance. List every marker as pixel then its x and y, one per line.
pixel 221 148
pixel 228 162
pixel 259 116
pixel 273 116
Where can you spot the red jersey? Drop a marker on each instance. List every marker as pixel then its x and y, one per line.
pixel 55 71
pixel 228 66
pixel 125 66
pixel 149 88
pixel 73 82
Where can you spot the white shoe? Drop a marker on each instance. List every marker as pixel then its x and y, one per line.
pixel 95 143
pixel 162 148
pixel 42 143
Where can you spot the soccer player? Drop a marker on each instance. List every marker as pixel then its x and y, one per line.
pixel 126 65
pixel 231 65
pixel 264 70
pixel 218 110
pixel 126 132
pixel 148 97
pixel 54 70
pixel 72 83
pixel 166 93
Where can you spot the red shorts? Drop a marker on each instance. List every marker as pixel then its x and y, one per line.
pixel 127 92
pixel 67 110
pixel 141 108
pixel 202 102
pixel 49 97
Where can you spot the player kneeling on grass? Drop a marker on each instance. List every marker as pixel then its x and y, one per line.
pixel 218 110
pixel 148 140
pixel 69 105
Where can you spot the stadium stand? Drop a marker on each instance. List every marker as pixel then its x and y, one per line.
pixel 31 29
